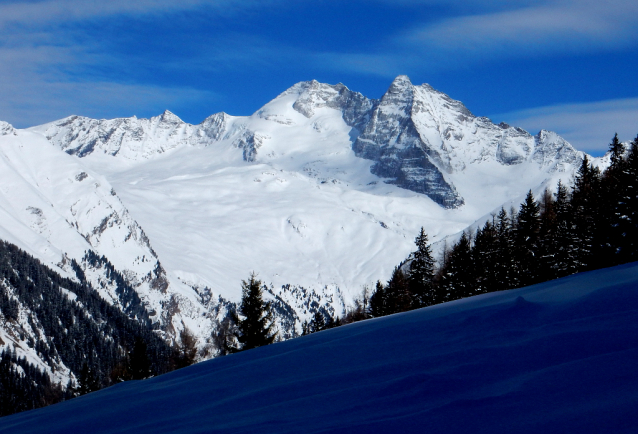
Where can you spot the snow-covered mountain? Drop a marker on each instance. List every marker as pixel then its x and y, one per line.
pixel 551 358
pixel 320 192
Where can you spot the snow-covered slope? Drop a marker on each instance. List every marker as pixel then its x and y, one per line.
pixel 57 209
pixel 553 358
pixel 321 192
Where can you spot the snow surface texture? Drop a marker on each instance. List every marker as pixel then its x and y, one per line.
pixel 284 193
pixel 552 358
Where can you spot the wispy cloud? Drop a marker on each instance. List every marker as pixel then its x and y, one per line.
pixel 59 11
pixel 589 127
pixel 49 70
pixel 39 86
pixel 560 26
pixel 499 30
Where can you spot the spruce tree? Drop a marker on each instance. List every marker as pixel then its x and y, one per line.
pixel 458 279
pixel 484 257
pixel 140 365
pixel 616 150
pixel 420 280
pixel 397 293
pixel 609 200
pixel 584 205
pixel 378 301
pixel 627 209
pixel 527 241
pixel 565 256
pixel 88 381
pixel 256 327
pixel 503 270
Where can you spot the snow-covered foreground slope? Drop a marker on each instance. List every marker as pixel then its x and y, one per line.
pixel 555 357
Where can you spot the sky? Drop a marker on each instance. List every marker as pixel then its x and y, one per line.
pixel 562 65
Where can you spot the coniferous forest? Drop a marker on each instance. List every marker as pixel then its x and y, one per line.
pixel 76 327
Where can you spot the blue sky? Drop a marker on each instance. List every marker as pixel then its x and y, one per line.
pixel 564 65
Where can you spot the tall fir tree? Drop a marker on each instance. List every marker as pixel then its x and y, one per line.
pixel 397 293
pixel 562 244
pixel 504 276
pixel 378 301
pixel 140 365
pixel 616 151
pixel 585 210
pixel 458 278
pixel 607 202
pixel 255 329
pixel 484 257
pixel 421 277
pixel 526 252
pixel 627 208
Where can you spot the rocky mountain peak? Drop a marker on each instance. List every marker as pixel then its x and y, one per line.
pixel 400 84
pixel 399 95
pixel 6 129
pixel 170 117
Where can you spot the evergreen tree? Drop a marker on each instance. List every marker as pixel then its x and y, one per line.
pixel 585 210
pixel 256 327
pixel 564 256
pixel 397 293
pixel 88 381
pixel 503 268
pixel 526 250
pixel 484 257
pixel 140 365
pixel 420 279
pixel 627 208
pixel 458 278
pixel 608 201
pixel 378 301
pixel 317 323
pixel 616 150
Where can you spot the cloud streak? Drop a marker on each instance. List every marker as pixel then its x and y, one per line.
pixel 30 14
pixel 499 31
pixel 554 27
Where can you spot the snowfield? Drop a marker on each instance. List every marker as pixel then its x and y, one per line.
pixel 551 358
pixel 322 191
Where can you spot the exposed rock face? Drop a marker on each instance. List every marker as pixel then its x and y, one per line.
pixel 418 137
pixel 391 139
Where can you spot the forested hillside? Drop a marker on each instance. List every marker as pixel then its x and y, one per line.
pixel 54 328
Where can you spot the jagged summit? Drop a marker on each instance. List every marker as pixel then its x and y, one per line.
pixel 6 128
pixel 170 117
pixel 400 85
pixel 416 137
